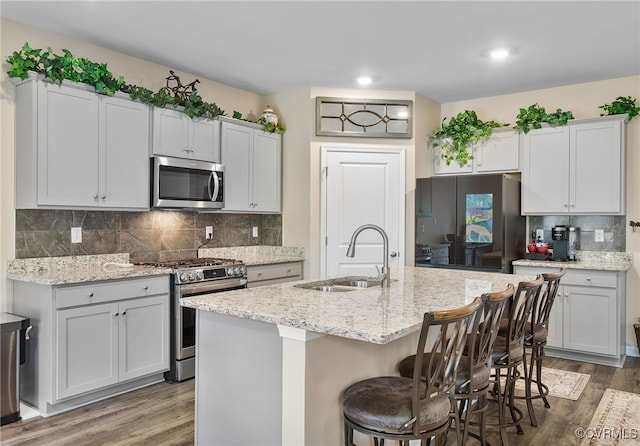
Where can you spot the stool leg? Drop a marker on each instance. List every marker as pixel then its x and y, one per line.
pixel 528 376
pixel 501 400
pixel 539 357
pixel 512 376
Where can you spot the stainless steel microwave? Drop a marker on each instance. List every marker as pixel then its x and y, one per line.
pixel 186 184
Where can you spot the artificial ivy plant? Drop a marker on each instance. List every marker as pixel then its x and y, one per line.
pixel 621 106
pixel 65 66
pixel 268 126
pixel 534 116
pixel 456 136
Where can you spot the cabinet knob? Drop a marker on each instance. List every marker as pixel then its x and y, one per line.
pixel 564 205
pixel 103 197
pixel 95 196
pixel 393 254
pixel 588 279
pixel 146 287
pixel 91 294
pixel 116 314
pixel 124 313
pixel 572 204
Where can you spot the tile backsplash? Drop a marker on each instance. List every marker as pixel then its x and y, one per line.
pixel 146 236
pixel 613 226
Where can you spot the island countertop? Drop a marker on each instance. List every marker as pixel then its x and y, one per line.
pixel 377 315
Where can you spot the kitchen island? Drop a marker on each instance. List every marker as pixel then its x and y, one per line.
pixel 272 362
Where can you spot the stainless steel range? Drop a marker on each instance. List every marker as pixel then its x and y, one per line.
pixel 192 277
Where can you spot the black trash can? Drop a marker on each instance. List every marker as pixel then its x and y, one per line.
pixel 13 335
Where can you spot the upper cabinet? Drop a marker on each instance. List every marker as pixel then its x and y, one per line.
pixel 575 169
pixel 176 134
pixel 498 153
pixel 78 149
pixel 253 168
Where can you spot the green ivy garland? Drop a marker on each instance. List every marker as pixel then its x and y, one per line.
pixel 621 106
pixel 65 66
pixel 534 116
pixel 461 131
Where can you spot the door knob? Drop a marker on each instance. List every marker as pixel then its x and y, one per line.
pixel 393 254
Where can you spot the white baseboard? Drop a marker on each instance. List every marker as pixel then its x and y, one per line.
pixel 632 351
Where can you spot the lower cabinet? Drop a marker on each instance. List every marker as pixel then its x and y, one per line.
pixel 95 340
pixel 587 319
pixel 261 275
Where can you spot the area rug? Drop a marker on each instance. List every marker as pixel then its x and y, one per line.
pixel 616 421
pixel 562 384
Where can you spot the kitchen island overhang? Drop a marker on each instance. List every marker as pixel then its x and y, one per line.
pixel 272 362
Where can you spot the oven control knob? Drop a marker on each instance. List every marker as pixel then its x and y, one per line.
pixel 229 271
pixel 184 277
pixel 192 276
pixel 243 270
pixel 199 275
pixel 236 271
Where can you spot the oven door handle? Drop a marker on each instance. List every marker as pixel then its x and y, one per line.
pixel 213 286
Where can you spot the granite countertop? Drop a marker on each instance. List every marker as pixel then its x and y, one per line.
pixel 77 269
pixel 256 255
pixel 377 315
pixel 607 261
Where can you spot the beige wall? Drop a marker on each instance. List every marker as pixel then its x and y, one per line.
pixel 583 100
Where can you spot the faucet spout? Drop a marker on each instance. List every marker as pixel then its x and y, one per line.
pixel 383 275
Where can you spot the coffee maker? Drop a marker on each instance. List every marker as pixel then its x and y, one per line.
pixel 565 242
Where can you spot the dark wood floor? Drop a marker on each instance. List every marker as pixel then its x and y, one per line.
pixel 163 414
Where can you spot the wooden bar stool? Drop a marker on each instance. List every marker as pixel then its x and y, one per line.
pixel 536 338
pixel 473 374
pixel 404 409
pixel 508 354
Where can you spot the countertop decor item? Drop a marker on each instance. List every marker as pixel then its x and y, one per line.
pixel 268 116
pixel 457 136
pixel 60 67
pixel 268 124
pixel 534 116
pixel 621 106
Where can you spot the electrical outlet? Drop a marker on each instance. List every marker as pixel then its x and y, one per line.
pixel 208 232
pixel 599 235
pixel 255 231
pixel 76 235
pixel 539 234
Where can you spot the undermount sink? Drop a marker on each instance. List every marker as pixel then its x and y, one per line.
pixel 340 284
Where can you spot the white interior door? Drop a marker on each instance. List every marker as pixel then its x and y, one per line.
pixel 362 185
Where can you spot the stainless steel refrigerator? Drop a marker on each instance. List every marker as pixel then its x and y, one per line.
pixel 470 222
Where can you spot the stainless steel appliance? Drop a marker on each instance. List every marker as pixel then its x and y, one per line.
pixel 186 184
pixel 192 277
pixel 470 222
pixel 14 332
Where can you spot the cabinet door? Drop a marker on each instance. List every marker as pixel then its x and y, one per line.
pixel 86 353
pixel 590 320
pixel 545 170
pixel 597 170
pixel 144 336
pixel 498 153
pixel 124 153
pixel 204 140
pixel 236 147
pixel 170 133
pixel 67 146
pixel 554 335
pixel 267 170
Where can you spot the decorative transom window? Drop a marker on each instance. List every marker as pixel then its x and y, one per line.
pixel 364 117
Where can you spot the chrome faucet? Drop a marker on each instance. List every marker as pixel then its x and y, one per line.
pixel 383 275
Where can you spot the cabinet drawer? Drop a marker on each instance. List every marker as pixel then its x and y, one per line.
pixel 75 295
pixel 275 271
pixel 584 277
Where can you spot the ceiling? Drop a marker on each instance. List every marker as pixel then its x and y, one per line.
pixel 437 49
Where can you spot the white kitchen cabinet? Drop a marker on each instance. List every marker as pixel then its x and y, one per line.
pixel 93 340
pixel 261 275
pixel 78 149
pixel 253 168
pixel 176 134
pixel 498 153
pixel 587 318
pixel 575 169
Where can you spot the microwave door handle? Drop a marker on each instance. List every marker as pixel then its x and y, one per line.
pixel 216 186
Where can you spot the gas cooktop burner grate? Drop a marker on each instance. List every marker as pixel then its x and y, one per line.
pixel 191 263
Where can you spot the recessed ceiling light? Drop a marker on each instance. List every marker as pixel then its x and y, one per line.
pixel 364 80
pixel 499 53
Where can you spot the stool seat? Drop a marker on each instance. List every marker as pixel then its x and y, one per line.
pixel 479 378
pixel 539 336
pixel 501 353
pixel 385 404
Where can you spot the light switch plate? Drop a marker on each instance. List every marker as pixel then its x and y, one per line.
pixel 76 235
pixel 599 237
